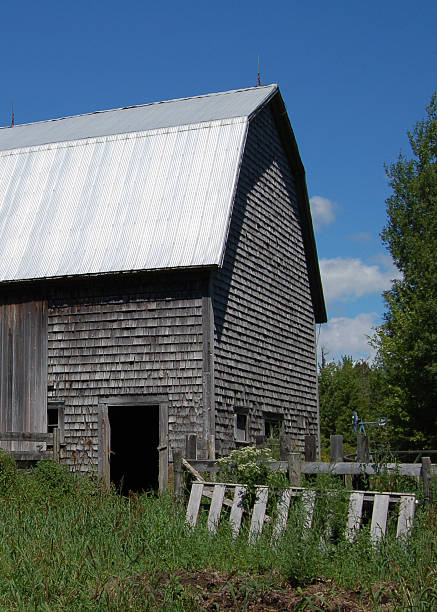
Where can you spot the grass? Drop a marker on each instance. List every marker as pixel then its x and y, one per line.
pixel 65 545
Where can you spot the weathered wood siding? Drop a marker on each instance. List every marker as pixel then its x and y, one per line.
pixel 23 370
pixel 264 321
pixel 141 336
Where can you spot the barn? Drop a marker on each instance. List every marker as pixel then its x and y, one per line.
pixel 158 277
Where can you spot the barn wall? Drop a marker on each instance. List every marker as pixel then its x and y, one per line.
pixel 141 336
pixel 23 369
pixel 264 321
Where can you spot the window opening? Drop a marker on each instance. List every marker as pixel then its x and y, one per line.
pixel 241 425
pixel 55 418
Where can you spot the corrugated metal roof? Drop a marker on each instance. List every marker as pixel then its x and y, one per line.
pixel 144 200
pixel 141 188
pixel 183 111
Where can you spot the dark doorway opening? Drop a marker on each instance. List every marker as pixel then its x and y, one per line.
pixel 134 457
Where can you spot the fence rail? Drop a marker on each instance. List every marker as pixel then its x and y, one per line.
pixel 292 464
pixel 51 438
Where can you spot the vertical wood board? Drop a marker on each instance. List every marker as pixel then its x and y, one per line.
pixel 354 515
pixel 407 507
pixel 237 509
pixel 194 503
pixel 23 370
pixel 259 512
pixel 282 512
pixel 379 516
pixel 216 507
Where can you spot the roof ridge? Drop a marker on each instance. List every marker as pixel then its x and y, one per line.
pixel 109 110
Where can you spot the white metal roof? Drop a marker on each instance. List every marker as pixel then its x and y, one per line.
pixel 140 188
pixel 171 113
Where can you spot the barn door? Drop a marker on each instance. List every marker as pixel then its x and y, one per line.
pixel 133 444
pixel 23 370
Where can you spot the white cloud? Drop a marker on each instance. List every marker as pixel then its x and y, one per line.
pixel 348 336
pixel 348 278
pixel 361 237
pixel 322 211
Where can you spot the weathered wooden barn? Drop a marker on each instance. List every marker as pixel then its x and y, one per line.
pixel 158 277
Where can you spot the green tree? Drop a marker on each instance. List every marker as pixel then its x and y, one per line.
pixel 407 339
pixel 346 387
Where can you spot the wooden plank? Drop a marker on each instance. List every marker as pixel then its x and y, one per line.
pixel 237 509
pixel 192 470
pixel 294 469
pixel 29 436
pixel 259 512
pixel 354 514
pixel 208 371
pixel 308 503
pixel 178 474
pixel 310 447
pixel 191 447
pixel 194 503
pixel 282 512
pixel 163 446
pixel 31 455
pixel 285 447
pixel 336 446
pixel 56 444
pixel 406 515
pixel 216 507
pixel 362 448
pixel 356 469
pixel 427 476
pixel 379 517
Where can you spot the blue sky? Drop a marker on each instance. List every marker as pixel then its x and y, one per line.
pixel 354 76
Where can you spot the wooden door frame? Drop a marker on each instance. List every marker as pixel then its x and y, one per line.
pixel 104 430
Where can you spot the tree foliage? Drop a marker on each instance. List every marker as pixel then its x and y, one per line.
pixel 407 339
pixel 346 387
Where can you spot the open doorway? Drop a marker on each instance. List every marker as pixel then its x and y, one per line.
pixel 133 443
pixel 134 459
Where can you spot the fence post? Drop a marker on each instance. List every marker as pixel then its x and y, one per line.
pixel 362 448
pixel 191 446
pixel 295 469
pixel 285 447
pixel 336 443
pixel 426 475
pixel 178 474
pixel 56 445
pixel 310 447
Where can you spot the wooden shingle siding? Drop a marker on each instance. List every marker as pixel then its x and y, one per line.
pixel 264 321
pixel 145 340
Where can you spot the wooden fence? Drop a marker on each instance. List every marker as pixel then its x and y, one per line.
pixel 51 439
pixel 216 492
pixel 291 462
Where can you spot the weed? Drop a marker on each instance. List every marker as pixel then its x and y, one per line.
pixel 64 545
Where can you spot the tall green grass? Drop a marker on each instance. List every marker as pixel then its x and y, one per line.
pixel 66 545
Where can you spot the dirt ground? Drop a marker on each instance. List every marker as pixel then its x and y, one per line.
pixel 213 591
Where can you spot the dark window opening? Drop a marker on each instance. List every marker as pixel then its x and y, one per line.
pixel 272 432
pixel 273 429
pixel 241 427
pixel 55 418
pixel 52 419
pixel 241 424
pixel 134 455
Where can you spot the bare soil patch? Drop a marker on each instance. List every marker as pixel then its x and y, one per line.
pixel 215 591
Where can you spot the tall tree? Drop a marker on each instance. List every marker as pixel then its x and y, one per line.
pixel 407 339
pixel 346 387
